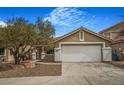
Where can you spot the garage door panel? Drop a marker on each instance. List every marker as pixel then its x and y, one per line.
pixel 75 53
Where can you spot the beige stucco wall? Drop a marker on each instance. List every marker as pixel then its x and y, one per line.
pixel 107 54
pixel 88 37
pixel 9 57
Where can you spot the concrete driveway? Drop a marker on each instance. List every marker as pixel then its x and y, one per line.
pixel 76 74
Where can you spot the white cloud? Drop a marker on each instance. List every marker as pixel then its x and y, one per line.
pixel 2 24
pixel 67 19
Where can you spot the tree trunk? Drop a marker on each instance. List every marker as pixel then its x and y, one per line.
pixel 18 57
pixel 17 60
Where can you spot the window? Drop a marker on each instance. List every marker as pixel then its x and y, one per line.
pixel 1 51
pixel 51 51
pixel 81 36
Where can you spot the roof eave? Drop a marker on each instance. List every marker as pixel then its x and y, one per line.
pixel 85 29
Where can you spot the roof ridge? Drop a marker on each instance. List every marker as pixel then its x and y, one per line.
pixel 85 29
pixel 96 34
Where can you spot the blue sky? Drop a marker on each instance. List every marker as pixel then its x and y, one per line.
pixel 67 19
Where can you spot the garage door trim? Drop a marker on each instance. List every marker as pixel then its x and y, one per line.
pixel 81 43
pixel 102 43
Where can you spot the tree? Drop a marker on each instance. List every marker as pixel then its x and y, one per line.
pixel 19 37
pixel 46 32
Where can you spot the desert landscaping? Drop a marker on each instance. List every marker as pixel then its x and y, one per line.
pixel 12 70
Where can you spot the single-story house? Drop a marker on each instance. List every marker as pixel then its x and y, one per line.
pixel 116 34
pixel 82 45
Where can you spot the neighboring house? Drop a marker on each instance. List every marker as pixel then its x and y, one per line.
pixel 116 33
pixel 82 45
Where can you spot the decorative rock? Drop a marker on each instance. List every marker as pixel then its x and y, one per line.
pixel 28 64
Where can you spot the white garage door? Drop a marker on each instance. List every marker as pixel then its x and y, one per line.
pixel 81 53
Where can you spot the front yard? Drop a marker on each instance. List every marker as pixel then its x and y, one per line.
pixel 11 70
pixel 76 73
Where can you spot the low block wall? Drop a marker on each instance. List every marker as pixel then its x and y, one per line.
pixel 48 58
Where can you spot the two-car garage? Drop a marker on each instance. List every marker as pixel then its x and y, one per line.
pixel 81 53
pixel 82 45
